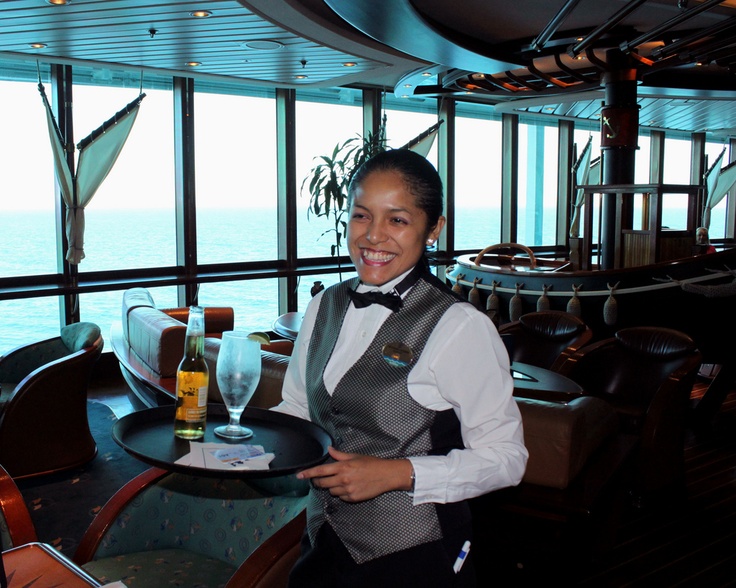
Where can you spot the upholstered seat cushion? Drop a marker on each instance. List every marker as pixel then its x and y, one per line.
pixel 556 326
pixel 135 298
pixel 78 336
pixel 156 569
pixel 561 437
pixel 157 339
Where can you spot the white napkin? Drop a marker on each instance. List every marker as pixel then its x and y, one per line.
pixel 226 456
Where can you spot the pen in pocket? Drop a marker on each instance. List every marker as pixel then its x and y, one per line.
pixel 461 557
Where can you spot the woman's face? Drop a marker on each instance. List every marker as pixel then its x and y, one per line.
pixel 387 232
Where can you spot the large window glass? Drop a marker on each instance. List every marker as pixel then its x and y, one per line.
pixel 478 160
pixel 130 220
pixel 254 302
pixel 27 206
pixel 27 320
pixel 537 213
pixel 642 160
pixel 323 120
pixel 236 184
pixel 677 156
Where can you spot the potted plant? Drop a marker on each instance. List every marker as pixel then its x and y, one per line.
pixel 328 181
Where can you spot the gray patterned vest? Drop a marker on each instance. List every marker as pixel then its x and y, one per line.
pixel 371 412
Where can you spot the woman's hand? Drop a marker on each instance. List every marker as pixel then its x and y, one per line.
pixel 353 477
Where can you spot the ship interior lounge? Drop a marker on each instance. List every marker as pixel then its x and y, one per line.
pixel 162 157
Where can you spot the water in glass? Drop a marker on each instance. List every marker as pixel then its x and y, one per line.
pixel 238 373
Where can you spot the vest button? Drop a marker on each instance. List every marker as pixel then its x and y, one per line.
pixel 335 410
pixel 330 509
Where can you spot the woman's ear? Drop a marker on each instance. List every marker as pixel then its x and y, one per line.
pixel 434 234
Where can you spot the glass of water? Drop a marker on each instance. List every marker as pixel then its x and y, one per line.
pixel 238 373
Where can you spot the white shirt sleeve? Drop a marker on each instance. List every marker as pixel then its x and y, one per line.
pixel 465 366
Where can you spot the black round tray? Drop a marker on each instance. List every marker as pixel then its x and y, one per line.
pixel 297 444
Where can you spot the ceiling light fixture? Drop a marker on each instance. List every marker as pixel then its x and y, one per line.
pixel 193 63
pixel 200 13
pixel 263 45
pixel 37 45
pixel 59 2
pixel 300 77
pixel 349 64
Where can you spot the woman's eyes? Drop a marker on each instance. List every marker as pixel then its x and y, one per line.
pixel 394 220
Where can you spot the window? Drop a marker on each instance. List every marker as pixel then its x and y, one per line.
pixel 254 302
pixel 26 320
pixel 236 185
pixel 537 213
pixel 129 223
pixel 27 217
pixel 477 178
pixel 323 120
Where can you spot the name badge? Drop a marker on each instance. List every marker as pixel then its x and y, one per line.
pixel 397 354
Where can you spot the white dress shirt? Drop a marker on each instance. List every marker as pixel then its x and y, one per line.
pixel 464 367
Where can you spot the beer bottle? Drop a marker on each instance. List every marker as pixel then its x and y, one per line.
pixel 192 380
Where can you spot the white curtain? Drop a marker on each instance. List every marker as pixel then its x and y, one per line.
pixel 423 142
pixel 97 155
pixel 583 169
pixel 718 182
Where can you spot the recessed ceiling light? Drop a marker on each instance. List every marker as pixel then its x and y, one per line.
pixel 263 45
pixel 426 74
pixel 37 45
pixel 300 77
pixel 349 64
pixel 59 2
pixel 193 63
pixel 200 13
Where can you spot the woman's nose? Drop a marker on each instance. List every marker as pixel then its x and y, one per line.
pixel 375 233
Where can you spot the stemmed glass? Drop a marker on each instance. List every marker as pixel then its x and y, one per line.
pixel 238 373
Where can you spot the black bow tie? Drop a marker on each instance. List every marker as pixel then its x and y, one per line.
pixel 362 299
pixel 391 300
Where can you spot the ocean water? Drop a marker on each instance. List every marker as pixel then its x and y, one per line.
pixel 118 240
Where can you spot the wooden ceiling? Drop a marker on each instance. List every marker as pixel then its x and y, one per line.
pixel 516 55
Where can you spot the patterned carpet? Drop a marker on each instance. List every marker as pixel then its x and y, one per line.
pixel 63 505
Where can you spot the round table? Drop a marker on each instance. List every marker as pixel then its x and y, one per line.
pixel 531 381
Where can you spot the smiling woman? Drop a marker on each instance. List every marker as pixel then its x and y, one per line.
pixel 376 369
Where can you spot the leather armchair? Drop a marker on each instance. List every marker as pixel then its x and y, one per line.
pixel 43 423
pixel 544 338
pixel 647 375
